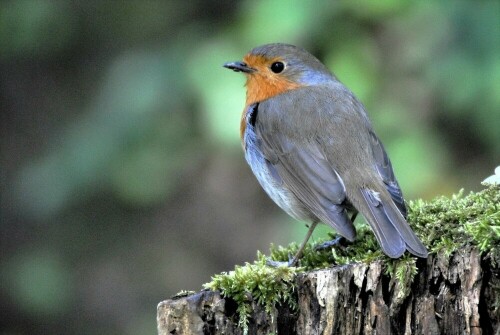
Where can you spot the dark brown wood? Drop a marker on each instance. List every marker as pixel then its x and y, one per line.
pixel 449 295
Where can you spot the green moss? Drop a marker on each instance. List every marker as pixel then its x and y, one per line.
pixel 443 225
pixel 402 271
pixel 257 282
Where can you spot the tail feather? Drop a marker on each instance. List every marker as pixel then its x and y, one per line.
pixel 389 226
pixel 413 243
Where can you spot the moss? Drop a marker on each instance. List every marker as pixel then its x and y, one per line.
pixel 443 225
pixel 258 283
pixel 402 272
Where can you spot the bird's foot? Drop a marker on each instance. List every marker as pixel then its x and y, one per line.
pixel 338 242
pixel 292 261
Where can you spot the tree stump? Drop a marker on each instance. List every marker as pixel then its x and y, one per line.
pixel 457 294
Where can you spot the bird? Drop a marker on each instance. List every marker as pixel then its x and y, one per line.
pixel 310 144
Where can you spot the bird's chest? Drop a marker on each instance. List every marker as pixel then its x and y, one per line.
pixel 264 170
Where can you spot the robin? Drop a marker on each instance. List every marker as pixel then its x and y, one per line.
pixel 310 144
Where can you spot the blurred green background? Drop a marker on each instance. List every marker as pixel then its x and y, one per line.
pixel 122 175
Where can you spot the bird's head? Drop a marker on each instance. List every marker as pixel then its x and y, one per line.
pixel 273 69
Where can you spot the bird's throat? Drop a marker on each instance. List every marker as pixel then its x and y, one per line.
pixel 262 87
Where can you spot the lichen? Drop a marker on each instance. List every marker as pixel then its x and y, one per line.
pixel 443 224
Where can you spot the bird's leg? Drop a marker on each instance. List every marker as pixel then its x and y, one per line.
pixel 298 254
pixel 295 258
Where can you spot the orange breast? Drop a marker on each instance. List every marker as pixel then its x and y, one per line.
pixel 262 87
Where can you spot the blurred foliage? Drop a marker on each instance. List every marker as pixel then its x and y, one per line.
pixel 121 163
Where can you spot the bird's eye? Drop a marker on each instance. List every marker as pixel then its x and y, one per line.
pixel 277 67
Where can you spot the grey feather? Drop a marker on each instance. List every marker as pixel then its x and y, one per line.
pixel 308 175
pixel 384 168
pixel 318 145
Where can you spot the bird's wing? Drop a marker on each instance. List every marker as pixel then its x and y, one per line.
pixel 384 168
pixel 306 172
pixel 318 136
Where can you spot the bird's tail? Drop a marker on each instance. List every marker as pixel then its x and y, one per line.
pixel 390 227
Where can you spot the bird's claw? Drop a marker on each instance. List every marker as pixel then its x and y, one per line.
pixel 276 264
pixel 338 242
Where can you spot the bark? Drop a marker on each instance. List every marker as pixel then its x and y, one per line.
pixel 449 295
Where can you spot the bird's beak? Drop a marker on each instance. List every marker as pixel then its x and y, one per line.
pixel 239 67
